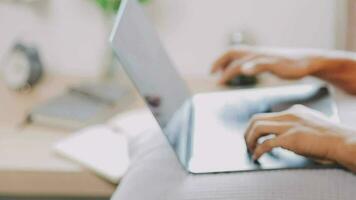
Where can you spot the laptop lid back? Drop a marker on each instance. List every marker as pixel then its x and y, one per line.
pixel 140 51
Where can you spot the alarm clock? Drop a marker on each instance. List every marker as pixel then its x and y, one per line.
pixel 22 68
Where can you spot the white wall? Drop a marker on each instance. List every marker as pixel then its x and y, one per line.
pixel 72 34
pixel 196 31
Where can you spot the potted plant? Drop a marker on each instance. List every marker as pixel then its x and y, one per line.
pixel 111 6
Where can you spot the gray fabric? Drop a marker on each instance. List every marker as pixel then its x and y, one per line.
pixel 155 174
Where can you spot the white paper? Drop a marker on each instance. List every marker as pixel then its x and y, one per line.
pixel 134 122
pixel 98 148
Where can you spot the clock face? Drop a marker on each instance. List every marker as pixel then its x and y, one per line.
pixel 17 71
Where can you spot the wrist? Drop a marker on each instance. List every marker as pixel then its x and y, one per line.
pixel 345 151
pixel 323 67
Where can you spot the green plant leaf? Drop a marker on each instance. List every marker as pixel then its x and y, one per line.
pixel 113 5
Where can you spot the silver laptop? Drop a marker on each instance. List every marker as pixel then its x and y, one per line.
pixel 205 130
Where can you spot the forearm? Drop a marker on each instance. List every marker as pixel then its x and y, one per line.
pixel 334 66
pixel 299 52
pixel 338 71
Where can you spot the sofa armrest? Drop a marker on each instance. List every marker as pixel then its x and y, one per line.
pixel 155 174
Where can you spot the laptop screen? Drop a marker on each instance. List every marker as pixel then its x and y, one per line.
pixel 140 51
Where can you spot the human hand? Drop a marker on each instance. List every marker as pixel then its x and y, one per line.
pixel 250 63
pixel 305 132
pixel 289 64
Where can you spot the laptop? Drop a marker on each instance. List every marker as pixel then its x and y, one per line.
pixel 206 130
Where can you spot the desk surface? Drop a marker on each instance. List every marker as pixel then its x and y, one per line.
pixel 28 166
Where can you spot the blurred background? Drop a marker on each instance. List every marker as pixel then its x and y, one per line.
pixel 72 34
pixel 59 75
